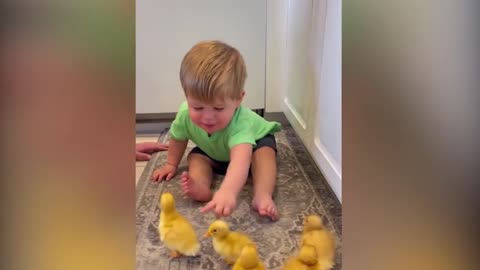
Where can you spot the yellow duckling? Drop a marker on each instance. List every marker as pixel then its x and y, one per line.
pixel 225 242
pixel 248 259
pixel 305 260
pixel 175 231
pixel 315 234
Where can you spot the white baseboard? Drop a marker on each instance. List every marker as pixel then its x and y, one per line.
pixel 329 167
pixel 292 112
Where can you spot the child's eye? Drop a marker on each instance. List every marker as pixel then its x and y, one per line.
pixel 198 108
pixel 218 109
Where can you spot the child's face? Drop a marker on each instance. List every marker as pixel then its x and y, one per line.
pixel 212 117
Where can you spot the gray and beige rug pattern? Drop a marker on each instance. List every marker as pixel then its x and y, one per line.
pixel 301 190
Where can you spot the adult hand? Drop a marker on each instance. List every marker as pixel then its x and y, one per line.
pixel 145 150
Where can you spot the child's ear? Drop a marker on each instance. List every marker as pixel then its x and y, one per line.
pixel 240 99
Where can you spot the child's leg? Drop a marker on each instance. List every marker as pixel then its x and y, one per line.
pixel 196 182
pixel 264 172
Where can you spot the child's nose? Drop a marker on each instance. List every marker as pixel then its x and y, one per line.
pixel 208 116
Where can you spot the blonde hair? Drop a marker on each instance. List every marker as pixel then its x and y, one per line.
pixel 211 70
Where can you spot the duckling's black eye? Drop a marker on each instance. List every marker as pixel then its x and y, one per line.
pixel 214 231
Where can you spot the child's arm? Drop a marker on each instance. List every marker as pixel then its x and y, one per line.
pixel 224 200
pixel 176 149
pixel 237 172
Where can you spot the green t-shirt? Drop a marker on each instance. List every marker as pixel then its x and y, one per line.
pixel 245 127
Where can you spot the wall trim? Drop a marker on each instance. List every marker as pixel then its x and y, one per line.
pixel 290 109
pixel 329 167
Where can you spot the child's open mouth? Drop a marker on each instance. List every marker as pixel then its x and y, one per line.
pixel 209 126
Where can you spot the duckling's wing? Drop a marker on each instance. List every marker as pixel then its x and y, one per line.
pixel 182 237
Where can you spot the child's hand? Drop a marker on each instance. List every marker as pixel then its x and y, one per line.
pixel 223 203
pixel 168 172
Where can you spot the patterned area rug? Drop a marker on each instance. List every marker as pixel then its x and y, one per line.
pixel 301 190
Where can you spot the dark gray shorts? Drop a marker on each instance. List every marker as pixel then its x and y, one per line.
pixel 220 167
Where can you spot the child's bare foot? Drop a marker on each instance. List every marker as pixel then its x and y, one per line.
pixel 195 189
pixel 265 206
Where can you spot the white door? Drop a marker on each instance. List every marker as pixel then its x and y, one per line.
pixel 299 93
pixel 166 30
pixel 327 84
pixel 313 100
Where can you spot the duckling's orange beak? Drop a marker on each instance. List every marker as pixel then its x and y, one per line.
pixel 207 234
pixel 305 221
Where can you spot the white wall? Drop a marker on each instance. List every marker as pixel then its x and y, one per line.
pixel 166 30
pixel 312 75
pixel 327 69
pixel 275 62
pixel 330 84
pixel 163 36
pixel 298 71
